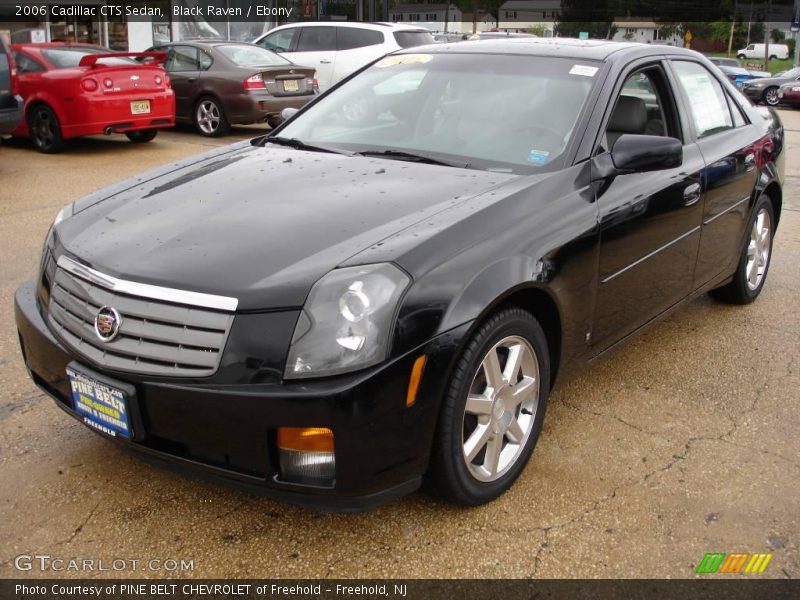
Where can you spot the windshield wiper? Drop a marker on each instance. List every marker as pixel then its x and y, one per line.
pixel 410 156
pixel 298 144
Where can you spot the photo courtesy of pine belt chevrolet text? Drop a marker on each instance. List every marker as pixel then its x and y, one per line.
pixel 380 293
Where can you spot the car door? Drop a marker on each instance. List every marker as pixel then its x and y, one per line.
pixel 356 46
pixel 183 66
pixel 729 145
pixel 316 48
pixel 649 222
pixel 8 103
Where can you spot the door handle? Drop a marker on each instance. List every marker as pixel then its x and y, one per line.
pixel 191 79
pixel 324 61
pixel 691 194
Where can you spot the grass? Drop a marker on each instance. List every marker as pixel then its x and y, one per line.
pixel 775 66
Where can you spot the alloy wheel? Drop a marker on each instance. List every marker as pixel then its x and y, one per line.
pixel 500 409
pixel 758 249
pixel 771 97
pixel 44 128
pixel 208 116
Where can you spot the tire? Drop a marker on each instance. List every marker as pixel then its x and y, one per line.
pixel 142 136
pixel 756 254
pixel 462 470
pixel 741 56
pixel 273 121
pixel 45 130
pixel 773 57
pixel 209 117
pixel 771 96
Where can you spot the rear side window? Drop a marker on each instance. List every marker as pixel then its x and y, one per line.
pixel 316 39
pixel 348 38
pixel 408 39
pixel 280 41
pixel 707 102
pixel 245 55
pixel 25 64
pixel 183 58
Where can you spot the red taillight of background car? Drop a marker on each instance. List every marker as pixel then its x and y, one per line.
pixel 108 83
pixel 159 80
pixel 315 85
pixel 256 82
pixel 89 84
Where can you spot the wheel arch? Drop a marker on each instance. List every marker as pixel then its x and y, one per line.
pixel 775 193
pixel 43 101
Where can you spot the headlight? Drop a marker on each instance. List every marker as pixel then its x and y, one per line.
pixel 347 321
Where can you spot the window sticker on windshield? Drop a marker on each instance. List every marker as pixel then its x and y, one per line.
pixel 584 70
pixel 404 59
pixel 538 157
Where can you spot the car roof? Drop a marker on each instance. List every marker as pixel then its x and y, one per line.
pixel 600 50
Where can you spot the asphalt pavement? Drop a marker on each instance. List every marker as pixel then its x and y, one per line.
pixel 682 442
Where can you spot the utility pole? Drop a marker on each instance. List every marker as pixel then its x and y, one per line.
pixel 766 36
pixel 795 27
pixel 733 26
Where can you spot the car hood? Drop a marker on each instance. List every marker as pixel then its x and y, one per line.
pixel 261 224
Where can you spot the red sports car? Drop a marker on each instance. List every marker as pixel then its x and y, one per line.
pixel 73 90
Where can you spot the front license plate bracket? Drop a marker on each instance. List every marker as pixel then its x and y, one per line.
pixel 135 425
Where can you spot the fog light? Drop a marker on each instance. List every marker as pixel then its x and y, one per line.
pixel 306 455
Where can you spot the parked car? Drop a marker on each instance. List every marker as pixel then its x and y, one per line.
pixel 734 63
pixel 10 100
pixel 736 75
pixel 780 51
pixel 766 89
pixel 219 83
pixel 337 49
pixel 789 93
pixel 500 35
pixel 342 309
pixel 74 90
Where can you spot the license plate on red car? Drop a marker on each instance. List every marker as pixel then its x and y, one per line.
pixel 290 85
pixel 140 107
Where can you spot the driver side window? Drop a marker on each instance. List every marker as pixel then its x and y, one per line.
pixel 643 107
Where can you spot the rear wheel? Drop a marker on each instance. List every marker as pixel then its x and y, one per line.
pixel 771 96
pixel 142 136
pixel 773 57
pixel 45 130
pixel 209 117
pixel 493 410
pixel 748 281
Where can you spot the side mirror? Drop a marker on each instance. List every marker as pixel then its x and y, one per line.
pixel 288 113
pixel 638 154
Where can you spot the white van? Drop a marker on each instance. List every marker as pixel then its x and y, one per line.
pixel 336 49
pixel 757 51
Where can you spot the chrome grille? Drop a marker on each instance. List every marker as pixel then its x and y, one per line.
pixel 162 331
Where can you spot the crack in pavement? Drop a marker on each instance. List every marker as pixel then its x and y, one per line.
pixel 676 458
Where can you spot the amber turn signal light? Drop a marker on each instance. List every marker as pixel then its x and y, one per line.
pixel 416 376
pixel 305 439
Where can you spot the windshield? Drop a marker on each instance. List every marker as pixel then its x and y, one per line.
pixel 251 56
pixel 408 39
pixel 66 58
pixel 490 111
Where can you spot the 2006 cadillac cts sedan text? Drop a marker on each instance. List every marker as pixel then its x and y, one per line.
pixel 381 292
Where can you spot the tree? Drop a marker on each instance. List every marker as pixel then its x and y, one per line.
pixel 597 19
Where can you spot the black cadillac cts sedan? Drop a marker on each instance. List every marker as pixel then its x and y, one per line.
pixel 381 292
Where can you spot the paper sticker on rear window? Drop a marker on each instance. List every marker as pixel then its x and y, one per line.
pixel 585 70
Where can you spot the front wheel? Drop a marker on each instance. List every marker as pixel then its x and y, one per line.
pixel 493 410
pixel 741 56
pixel 142 136
pixel 748 281
pixel 771 96
pixel 45 130
pixel 209 117
pixel 773 57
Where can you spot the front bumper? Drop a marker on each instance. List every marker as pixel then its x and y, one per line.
pixel 227 432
